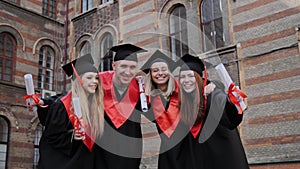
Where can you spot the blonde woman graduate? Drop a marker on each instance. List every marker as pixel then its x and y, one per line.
pixel 68 141
pixel 162 89
pixel 121 142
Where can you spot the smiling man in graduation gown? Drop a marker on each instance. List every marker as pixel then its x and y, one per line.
pixel 122 138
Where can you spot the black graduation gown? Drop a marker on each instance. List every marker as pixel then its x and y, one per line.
pixel 121 141
pixel 58 149
pixel 222 150
pixel 42 111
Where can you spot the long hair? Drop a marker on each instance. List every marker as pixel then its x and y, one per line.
pixel 92 107
pixel 191 104
pixel 151 89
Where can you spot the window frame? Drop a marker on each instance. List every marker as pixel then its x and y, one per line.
pixel 7 138
pixel 106 56
pixel 178 36
pixel 42 82
pixel 85 48
pixel 213 39
pixel 49 8
pixel 86 5
pixel 37 136
pixel 5 58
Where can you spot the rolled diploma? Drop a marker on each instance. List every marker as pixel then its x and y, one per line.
pixel 226 80
pixel 29 89
pixel 143 102
pixel 77 108
pixel 77 111
pixel 144 105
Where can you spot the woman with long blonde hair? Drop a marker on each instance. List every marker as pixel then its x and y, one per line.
pixel 91 106
pixel 71 128
pixel 162 90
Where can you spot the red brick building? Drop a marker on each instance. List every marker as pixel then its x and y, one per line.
pixel 257 40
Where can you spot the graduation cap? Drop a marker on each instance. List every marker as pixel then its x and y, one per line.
pixel 126 52
pixel 158 56
pixel 190 62
pixel 80 66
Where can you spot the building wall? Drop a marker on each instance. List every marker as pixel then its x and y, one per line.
pixel 270 57
pixel 268 53
pixel 25 22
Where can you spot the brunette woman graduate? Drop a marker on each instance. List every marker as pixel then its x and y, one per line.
pixel 213 141
pixel 68 139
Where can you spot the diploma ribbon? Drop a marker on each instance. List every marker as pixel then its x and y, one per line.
pixel 232 88
pixel 35 98
pixel 88 141
pixel 74 119
pixel 76 122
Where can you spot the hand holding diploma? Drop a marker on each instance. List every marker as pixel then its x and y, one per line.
pixel 234 93
pixel 31 98
pixel 140 80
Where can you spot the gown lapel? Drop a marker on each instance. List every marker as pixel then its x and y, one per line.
pixel 118 111
pixel 167 120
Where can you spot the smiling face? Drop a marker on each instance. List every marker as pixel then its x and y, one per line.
pixel 160 73
pixel 187 80
pixel 90 82
pixel 125 70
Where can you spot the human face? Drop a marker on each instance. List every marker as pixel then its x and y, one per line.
pixel 187 80
pixel 160 73
pixel 90 82
pixel 125 70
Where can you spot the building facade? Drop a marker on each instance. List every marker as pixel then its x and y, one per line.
pixel 257 41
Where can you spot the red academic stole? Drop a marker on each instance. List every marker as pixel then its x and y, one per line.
pixel 118 112
pixel 89 140
pixel 167 120
pixel 196 128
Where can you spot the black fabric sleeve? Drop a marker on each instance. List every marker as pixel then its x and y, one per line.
pixel 42 111
pixel 231 117
pixel 58 129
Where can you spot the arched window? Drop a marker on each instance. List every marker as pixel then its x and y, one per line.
pixel 4 135
pixel 49 8
pixel 105 54
pixel 178 32
pixel 85 48
pixel 37 137
pixel 46 68
pixel 212 24
pixel 8 50
pixel 86 5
